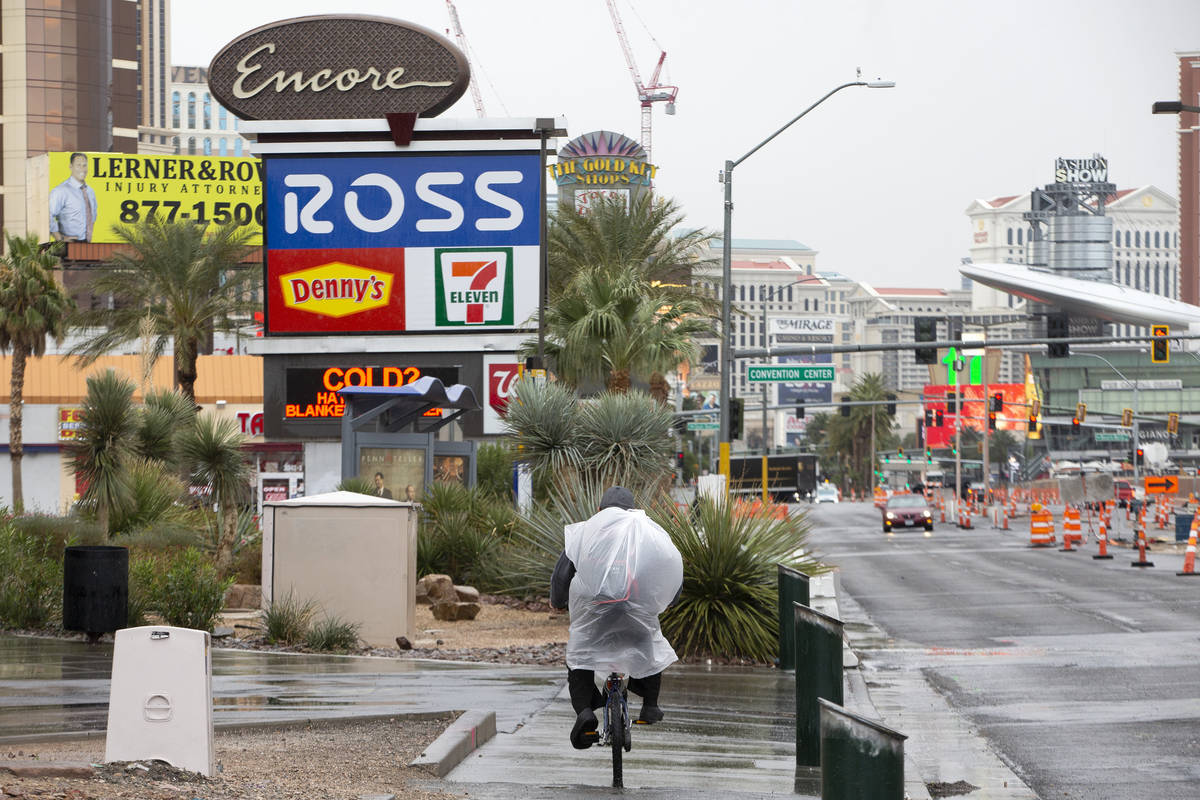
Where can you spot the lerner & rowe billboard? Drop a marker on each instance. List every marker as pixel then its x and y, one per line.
pixel 88 193
pixel 401 243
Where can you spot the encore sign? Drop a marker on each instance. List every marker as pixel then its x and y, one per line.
pixel 338 67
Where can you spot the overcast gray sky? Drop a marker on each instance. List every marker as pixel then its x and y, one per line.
pixel 988 94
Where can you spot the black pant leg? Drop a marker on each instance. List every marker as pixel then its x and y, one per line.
pixel 647 688
pixel 582 685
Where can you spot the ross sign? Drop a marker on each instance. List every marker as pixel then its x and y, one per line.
pixel 1081 170
pixel 704 426
pixel 128 189
pixel 401 243
pixel 601 165
pixel 1164 484
pixel 312 392
pixel 338 67
pixel 769 373
pixel 70 420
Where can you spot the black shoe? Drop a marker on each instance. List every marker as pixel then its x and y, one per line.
pixel 583 735
pixel 650 715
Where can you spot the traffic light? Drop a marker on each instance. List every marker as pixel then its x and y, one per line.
pixel 1058 327
pixel 891 406
pixel 845 406
pixel 1074 424
pixel 952 403
pixel 737 406
pixel 1139 455
pixel 1160 346
pixel 1172 423
pixel 1127 418
pixel 1081 411
pixel 925 330
pixel 998 402
pixel 939 418
pixel 679 461
pixel 928 417
pixel 991 420
pixel 800 411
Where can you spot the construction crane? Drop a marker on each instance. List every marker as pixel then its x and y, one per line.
pixel 462 45
pixel 654 92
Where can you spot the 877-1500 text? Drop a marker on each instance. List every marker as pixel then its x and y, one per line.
pixel 200 212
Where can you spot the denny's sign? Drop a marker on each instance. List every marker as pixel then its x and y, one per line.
pixel 338 67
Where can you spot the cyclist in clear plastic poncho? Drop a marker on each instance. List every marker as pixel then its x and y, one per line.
pixel 618 571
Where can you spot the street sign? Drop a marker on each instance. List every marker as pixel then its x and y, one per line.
pixel 789 373
pixel 704 426
pixel 1163 484
pixel 1111 436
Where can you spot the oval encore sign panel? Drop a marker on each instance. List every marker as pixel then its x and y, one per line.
pixel 338 67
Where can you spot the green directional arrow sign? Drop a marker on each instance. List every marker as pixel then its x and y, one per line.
pixel 789 373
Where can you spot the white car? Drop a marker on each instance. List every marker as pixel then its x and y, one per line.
pixel 826 493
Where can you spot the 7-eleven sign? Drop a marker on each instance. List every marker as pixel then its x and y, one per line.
pixel 473 286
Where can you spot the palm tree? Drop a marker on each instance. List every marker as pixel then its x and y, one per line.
pixel 32 307
pixel 610 324
pixel 187 282
pixel 104 444
pixel 212 451
pixel 851 436
pixel 610 234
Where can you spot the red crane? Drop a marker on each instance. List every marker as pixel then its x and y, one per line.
pixel 647 94
pixel 462 45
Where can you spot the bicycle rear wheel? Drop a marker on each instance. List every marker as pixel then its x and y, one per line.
pixel 616 737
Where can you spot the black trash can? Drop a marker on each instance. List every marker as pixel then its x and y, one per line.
pixel 1183 526
pixel 95 589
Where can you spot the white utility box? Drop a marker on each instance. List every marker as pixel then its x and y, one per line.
pixel 353 554
pixel 160 704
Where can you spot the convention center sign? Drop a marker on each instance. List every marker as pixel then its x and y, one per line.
pixel 89 193
pixel 599 166
pixel 338 67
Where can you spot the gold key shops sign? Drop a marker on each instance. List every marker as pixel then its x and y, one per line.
pixel 598 166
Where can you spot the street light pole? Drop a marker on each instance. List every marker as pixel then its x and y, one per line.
pixel 726 273
pixel 1134 385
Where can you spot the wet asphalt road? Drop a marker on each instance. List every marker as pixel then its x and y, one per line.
pixel 1083 676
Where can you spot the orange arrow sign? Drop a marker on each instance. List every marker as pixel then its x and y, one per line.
pixel 1165 484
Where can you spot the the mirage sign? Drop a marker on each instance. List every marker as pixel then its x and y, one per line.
pixel 401 243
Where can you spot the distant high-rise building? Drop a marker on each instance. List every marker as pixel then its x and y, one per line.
pixel 200 125
pixel 154 85
pixel 70 83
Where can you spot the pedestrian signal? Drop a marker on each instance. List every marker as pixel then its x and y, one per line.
pixel 1127 418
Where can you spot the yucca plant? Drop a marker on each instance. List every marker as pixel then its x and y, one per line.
pixel 728 603
pixel 493 470
pixel 165 414
pixel 462 531
pixel 543 421
pixel 212 452
pixel 289 619
pixel 624 439
pixel 103 445
pixel 356 484
pixel 154 493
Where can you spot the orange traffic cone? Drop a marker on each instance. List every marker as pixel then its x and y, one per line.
pixel 1102 539
pixel 1189 558
pixel 1141 541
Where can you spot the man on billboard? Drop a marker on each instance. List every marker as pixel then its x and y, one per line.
pixel 73 205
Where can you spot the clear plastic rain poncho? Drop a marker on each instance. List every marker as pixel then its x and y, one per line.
pixel 627 571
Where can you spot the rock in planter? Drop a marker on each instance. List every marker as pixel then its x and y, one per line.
pixel 450 612
pixel 437 589
pixel 467 594
pixel 243 595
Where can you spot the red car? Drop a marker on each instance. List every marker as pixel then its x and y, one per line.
pixel 907 511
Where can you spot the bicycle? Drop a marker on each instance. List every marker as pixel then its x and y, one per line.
pixel 615 731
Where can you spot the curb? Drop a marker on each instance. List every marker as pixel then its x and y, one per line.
pixel 463 736
pixel 47 769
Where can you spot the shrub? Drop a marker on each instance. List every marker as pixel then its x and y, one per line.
pixel 356 484
pixel 247 563
pixel 493 471
pixel 288 620
pixel 165 537
pixel 190 593
pixel 143 588
pixel 31 582
pixel 332 634
pixel 154 494
pixel 728 603
pixel 60 531
pixel 462 530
